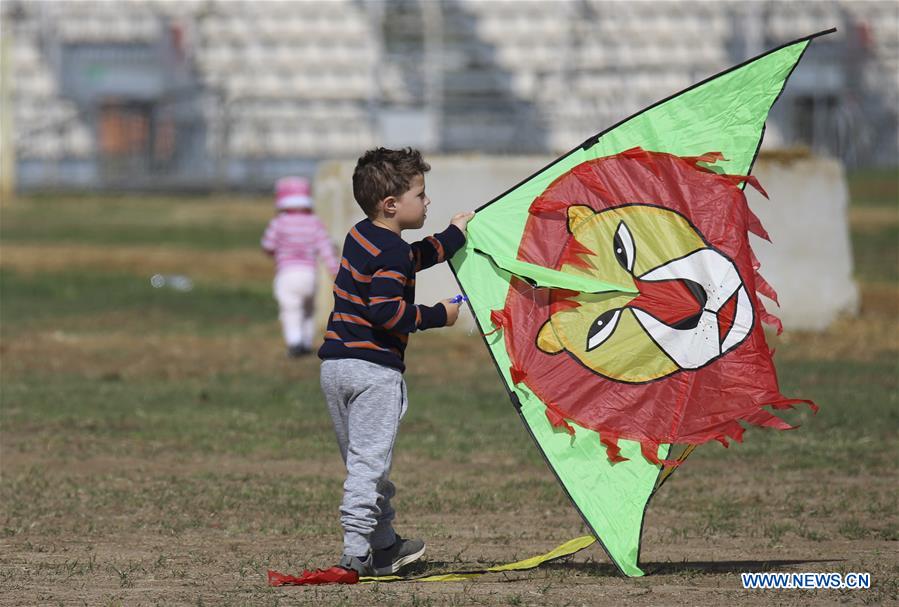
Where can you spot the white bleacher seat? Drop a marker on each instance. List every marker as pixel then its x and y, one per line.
pixel 268 84
pixel 239 84
pixel 523 84
pixel 281 141
pixel 237 28
pixel 238 142
pixel 282 54
pixel 36 85
pixel 46 146
pixel 78 142
pixel 255 55
pixel 25 54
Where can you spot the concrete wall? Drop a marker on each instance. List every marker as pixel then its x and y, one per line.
pixel 810 263
pixel 809 259
pixel 454 184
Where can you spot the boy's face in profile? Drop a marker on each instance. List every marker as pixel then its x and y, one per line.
pixel 412 206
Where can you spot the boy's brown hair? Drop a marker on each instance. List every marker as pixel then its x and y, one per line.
pixel 381 173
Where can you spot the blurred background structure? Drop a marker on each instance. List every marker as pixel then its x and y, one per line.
pixel 209 94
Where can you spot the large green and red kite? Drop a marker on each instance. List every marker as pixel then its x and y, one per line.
pixel 619 296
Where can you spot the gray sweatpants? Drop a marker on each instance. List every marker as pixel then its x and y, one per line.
pixel 366 402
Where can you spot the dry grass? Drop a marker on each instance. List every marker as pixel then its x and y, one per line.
pixel 143 464
pixel 236 266
pixel 157 357
pixel 870 336
pixel 866 218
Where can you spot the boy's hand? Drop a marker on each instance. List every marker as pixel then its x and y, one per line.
pixel 452 311
pixel 460 220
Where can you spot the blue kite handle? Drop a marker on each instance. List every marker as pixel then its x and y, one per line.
pixel 458 299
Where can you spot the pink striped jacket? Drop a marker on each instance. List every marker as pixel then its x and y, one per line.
pixel 299 239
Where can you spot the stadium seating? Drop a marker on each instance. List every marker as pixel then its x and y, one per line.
pixel 304 79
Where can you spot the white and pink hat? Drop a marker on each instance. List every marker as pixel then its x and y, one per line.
pixel 292 193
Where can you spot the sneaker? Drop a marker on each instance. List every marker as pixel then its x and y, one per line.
pixel 361 566
pixel 298 351
pixel 388 561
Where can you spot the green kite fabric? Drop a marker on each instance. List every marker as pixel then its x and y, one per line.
pixel 619 297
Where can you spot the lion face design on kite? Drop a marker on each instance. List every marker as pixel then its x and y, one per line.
pixel 691 306
pixel 677 353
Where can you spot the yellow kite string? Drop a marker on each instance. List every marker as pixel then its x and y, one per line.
pixel 566 549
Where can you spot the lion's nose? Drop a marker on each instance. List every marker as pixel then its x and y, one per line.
pixel 671 301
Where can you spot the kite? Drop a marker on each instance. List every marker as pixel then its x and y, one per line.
pixel 618 295
pixel 621 302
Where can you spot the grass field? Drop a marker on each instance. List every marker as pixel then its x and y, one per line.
pixel 158 449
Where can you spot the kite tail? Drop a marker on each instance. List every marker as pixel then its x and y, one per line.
pixel 334 575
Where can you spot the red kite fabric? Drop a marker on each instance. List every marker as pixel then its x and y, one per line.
pixel 697 308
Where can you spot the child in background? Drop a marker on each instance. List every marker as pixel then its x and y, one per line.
pixel 296 238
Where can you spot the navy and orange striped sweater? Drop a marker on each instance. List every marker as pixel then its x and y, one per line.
pixel 374 293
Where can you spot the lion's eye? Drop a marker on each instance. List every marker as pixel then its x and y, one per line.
pixel 624 247
pixel 602 328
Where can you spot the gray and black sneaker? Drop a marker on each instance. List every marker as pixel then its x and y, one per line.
pixel 388 561
pixel 361 566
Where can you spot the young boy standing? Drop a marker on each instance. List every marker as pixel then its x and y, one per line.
pixel 362 356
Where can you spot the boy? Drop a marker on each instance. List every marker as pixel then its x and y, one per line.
pixel 362 357
pixel 296 238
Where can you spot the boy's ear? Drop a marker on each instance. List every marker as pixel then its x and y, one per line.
pixel 388 205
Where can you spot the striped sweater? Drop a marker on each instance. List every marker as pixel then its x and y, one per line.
pixel 298 239
pixel 374 293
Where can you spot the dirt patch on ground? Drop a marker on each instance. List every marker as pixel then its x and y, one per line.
pixel 227 211
pixel 218 562
pixel 113 356
pixel 872 335
pixel 229 266
pixel 867 218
